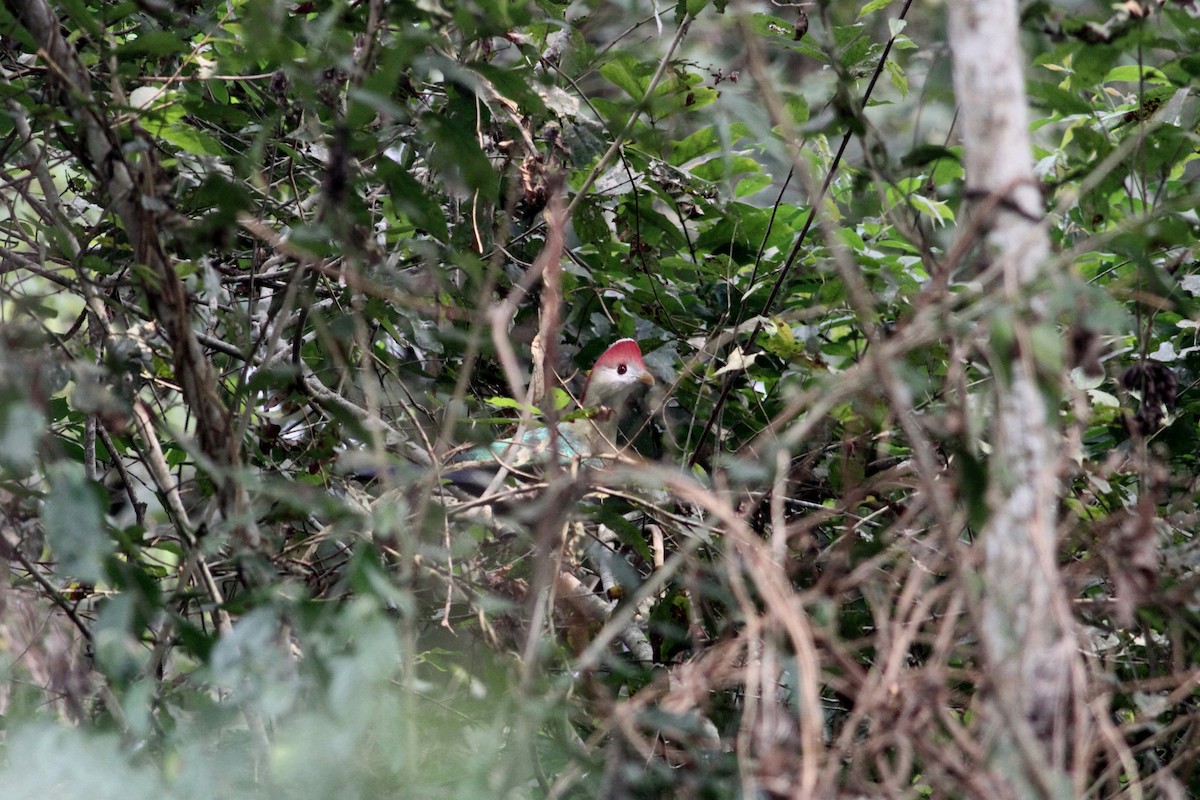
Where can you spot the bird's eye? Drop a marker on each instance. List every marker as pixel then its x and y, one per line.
pixel 621 369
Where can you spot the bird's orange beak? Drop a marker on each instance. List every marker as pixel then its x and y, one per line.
pixel 647 379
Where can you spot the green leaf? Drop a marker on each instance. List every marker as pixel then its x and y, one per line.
pixel 1090 64
pixel 1132 73
pixel 515 405
pixel 1054 98
pixel 189 139
pixel 874 5
pixel 778 340
pixel 924 154
pixel 716 169
pixel 456 150
pixel 627 74
pixel 590 225
pixel 898 78
pixel 515 85
pixel 796 107
pixel 705 141
pixel 85 17
pixel 629 534
pixel 74 519
pixel 21 428
pixel 1047 345
pixel 412 199
pixel 153 43
pixel 561 398
pixel 938 211
pixel 752 185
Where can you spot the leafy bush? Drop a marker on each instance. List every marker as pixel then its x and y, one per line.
pixel 267 264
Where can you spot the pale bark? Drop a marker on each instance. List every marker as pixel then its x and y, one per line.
pixel 1027 630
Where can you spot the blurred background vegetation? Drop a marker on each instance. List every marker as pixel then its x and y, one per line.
pixel 257 251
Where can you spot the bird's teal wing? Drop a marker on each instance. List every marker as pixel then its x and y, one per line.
pixel 533 447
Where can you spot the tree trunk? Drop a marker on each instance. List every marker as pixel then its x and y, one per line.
pixel 1027 631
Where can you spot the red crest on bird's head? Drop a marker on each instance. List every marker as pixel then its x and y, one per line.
pixel 617 373
pixel 622 351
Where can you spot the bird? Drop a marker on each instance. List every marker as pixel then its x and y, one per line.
pixel 617 377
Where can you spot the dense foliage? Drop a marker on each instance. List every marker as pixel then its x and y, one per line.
pixel 257 252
